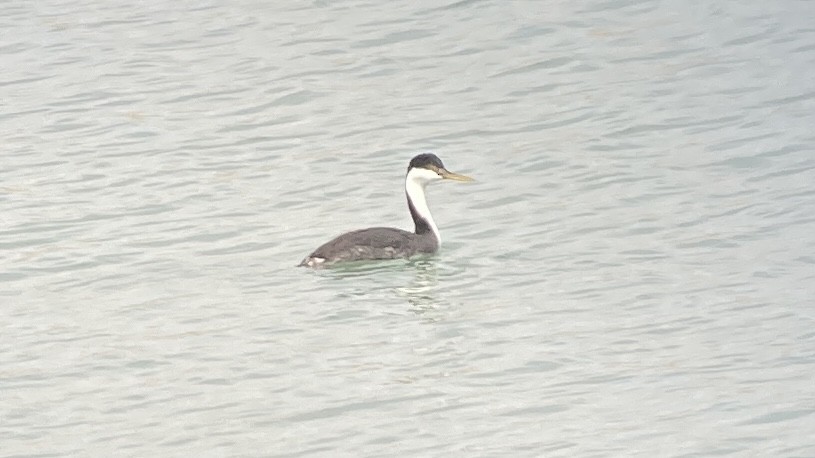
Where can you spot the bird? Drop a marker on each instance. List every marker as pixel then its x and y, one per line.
pixel 378 243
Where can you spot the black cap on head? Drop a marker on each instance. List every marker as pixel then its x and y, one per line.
pixel 426 161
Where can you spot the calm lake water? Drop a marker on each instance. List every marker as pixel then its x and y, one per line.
pixel 633 273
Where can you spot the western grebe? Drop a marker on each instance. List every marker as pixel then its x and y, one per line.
pixel 391 243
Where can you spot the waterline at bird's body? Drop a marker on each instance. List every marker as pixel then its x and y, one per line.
pixel 390 243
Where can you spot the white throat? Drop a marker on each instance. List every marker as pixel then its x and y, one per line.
pixel 415 183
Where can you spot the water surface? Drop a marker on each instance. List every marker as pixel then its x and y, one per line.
pixel 631 275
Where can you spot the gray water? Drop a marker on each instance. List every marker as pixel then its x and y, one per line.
pixel 631 275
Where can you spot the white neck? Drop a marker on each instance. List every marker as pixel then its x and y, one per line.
pixel 415 183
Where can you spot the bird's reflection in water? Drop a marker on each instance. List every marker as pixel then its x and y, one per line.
pixel 421 292
pixel 415 280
